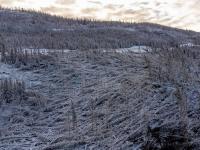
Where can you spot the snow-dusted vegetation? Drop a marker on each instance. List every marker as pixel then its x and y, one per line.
pixel 80 84
pixel 40 30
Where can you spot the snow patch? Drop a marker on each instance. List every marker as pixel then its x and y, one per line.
pixel 189 45
pixel 44 51
pixel 134 49
pixel 56 30
pixel 7 71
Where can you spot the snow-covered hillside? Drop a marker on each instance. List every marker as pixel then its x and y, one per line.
pixel 77 84
pixel 94 100
pixel 38 30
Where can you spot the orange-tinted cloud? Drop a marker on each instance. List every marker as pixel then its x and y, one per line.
pixel 95 2
pixel 5 2
pixel 65 2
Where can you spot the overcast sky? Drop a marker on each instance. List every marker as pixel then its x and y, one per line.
pixel 178 13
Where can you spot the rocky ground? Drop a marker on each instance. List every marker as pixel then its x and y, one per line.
pixel 94 100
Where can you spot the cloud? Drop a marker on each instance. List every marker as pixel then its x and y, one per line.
pixel 65 2
pixel 113 7
pixel 6 2
pixel 95 2
pixel 173 13
pixel 91 11
pixel 58 10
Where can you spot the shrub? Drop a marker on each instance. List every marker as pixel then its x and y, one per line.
pixel 11 90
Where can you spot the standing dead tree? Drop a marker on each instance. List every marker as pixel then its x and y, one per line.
pixel 2 49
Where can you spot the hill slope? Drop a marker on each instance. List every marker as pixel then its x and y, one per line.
pixel 102 97
pixel 34 29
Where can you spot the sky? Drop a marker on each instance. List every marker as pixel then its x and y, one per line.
pixel 183 14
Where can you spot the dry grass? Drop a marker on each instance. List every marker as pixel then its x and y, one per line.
pixel 178 68
pixel 173 65
pixel 15 91
pixel 11 90
pixel 26 59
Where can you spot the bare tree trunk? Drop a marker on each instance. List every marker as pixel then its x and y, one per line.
pixel 182 102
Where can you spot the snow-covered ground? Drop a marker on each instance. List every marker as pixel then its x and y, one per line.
pixel 9 72
pixel 91 104
pixel 57 30
pixel 51 125
pixel 44 50
pixel 134 49
pixel 189 45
